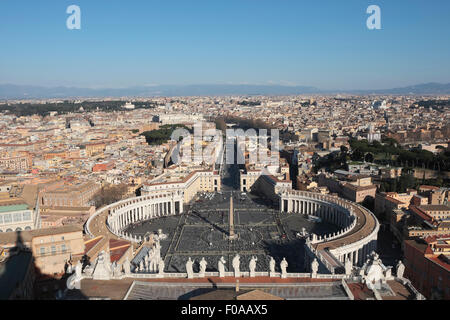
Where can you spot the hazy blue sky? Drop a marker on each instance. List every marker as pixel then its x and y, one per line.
pixel 323 43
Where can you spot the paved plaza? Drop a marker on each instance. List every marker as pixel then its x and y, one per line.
pixel 202 230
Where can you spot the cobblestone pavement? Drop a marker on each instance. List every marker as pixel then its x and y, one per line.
pixel 202 232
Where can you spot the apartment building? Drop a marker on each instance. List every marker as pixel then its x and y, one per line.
pixel 16 215
pixel 354 187
pixel 427 263
pixel 16 162
pixel 70 194
pixel 188 180
pixel 52 248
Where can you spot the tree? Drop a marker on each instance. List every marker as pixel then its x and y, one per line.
pixel 110 194
pixel 221 124
pixel 369 157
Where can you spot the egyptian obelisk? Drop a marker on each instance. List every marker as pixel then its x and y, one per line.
pixel 231 219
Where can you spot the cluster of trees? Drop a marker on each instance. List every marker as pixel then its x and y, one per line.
pixel 362 147
pixel 110 194
pixel 246 123
pixel 439 105
pixel 390 152
pixel 221 124
pixel 333 161
pixel 163 134
pixel 242 123
pixel 249 103
pixel 287 136
pixel 43 109
pixel 401 184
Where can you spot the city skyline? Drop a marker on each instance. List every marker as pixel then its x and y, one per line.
pixel 240 150
pixel 324 45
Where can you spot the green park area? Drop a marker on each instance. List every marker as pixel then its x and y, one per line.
pixel 389 152
pixel 163 134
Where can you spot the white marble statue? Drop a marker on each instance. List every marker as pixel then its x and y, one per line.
pixel 113 268
pixel 141 266
pixel 203 264
pixel 161 266
pixel 78 269
pixel 116 269
pixel 400 269
pixel 374 272
pixel 221 267
pixel 348 267
pixel 252 266
pixel 126 266
pixel 108 264
pixel 161 235
pixel 69 268
pixel 236 265
pixel 155 256
pixel 74 281
pixel 158 248
pixel 119 269
pixel 283 266
pixel 189 270
pixel 314 267
pixel 102 270
pixel 88 270
pixel 272 266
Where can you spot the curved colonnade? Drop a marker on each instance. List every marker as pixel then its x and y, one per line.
pixel 128 211
pixel 355 240
pixel 359 227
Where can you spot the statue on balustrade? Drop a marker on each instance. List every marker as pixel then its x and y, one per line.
pixel 102 269
pixel 189 268
pixel 117 269
pixel 283 267
pixel 127 266
pixel 348 267
pixel 161 266
pixel 252 266
pixel 314 266
pixel 155 256
pixel 272 265
pixel 221 267
pixel 400 269
pixel 236 265
pixel 203 264
pixel 78 269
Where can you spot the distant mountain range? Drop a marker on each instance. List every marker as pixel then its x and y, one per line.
pixel 419 89
pixel 10 91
